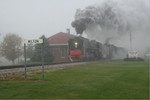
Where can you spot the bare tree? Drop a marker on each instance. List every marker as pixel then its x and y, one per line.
pixel 11 47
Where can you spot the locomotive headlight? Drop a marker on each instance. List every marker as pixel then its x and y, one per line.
pixel 76 43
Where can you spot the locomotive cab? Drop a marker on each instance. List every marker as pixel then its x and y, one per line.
pixel 82 49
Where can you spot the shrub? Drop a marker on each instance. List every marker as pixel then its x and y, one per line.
pixel 134 59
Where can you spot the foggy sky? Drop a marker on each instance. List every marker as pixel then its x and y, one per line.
pixel 33 18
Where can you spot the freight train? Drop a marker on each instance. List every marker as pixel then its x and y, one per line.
pixel 82 49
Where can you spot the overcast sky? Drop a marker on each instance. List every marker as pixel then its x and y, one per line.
pixel 33 18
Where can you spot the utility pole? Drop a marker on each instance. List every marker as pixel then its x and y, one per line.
pixel 148 4
pixel 130 41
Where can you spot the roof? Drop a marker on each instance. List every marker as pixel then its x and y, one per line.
pixel 60 38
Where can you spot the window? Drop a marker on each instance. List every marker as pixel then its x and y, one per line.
pixel 63 52
pixel 54 50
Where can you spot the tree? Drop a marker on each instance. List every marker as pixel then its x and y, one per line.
pixel 29 51
pixel 11 47
pixel 47 55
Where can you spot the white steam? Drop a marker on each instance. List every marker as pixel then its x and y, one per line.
pixel 113 20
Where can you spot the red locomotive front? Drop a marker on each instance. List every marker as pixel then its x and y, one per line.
pixel 75 49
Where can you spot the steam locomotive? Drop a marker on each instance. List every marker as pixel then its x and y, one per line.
pixel 82 49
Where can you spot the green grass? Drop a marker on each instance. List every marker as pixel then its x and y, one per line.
pixel 103 80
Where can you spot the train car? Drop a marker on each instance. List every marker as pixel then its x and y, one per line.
pixel 81 49
pixel 110 52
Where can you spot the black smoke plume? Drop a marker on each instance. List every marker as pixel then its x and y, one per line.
pixel 81 24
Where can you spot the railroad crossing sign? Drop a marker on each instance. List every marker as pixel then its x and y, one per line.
pixel 37 41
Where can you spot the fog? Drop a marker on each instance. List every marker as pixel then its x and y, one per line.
pixel 113 21
pixel 109 21
pixel 34 18
pixel 31 19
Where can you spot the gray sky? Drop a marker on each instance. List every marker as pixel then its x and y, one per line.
pixel 33 18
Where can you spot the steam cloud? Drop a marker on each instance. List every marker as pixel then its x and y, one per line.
pixel 113 20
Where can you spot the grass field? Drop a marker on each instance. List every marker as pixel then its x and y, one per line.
pixel 102 80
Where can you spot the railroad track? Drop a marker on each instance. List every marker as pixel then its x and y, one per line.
pixel 30 65
pixel 6 71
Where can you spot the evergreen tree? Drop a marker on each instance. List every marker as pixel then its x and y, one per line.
pixel 29 51
pixel 45 48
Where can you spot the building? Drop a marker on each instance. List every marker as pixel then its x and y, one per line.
pixel 59 46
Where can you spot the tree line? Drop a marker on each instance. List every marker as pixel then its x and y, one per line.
pixel 12 48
